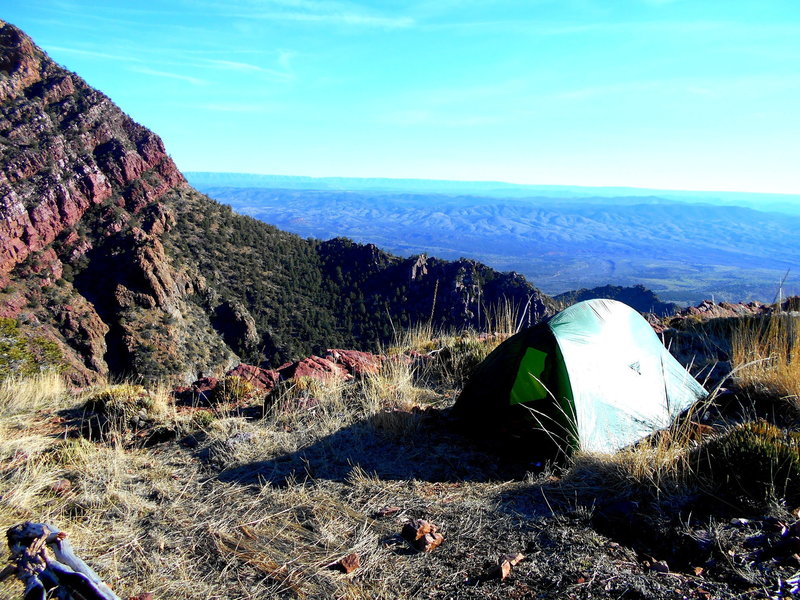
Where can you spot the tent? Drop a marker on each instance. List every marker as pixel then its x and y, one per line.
pixel 594 376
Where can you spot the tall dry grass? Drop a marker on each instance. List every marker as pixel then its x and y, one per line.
pixel 766 356
pixel 29 394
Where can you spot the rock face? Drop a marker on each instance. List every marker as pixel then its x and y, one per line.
pixel 80 223
pixel 455 294
pixel 107 251
pixel 709 310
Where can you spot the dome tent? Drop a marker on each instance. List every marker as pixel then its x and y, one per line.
pixel 594 377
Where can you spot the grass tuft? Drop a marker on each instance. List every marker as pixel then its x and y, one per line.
pixel 766 357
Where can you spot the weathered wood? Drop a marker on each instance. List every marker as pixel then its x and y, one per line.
pixel 65 577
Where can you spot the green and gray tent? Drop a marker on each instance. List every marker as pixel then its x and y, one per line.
pixel 595 377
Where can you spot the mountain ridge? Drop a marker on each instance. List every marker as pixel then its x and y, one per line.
pixel 111 256
pixel 206 179
pixel 686 252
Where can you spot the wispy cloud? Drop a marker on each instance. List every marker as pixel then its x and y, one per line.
pixel 429 118
pixel 92 53
pixel 239 108
pixel 327 12
pixel 719 87
pixel 667 27
pixel 352 19
pixel 168 75
pixel 250 68
pixel 285 59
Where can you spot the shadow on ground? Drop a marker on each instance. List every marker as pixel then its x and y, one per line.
pixel 421 445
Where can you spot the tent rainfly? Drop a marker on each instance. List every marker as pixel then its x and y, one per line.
pixel 594 377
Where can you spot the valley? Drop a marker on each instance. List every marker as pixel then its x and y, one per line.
pixel 685 251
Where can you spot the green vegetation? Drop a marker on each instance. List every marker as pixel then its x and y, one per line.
pixel 755 459
pixel 24 355
pixel 233 390
pixel 306 296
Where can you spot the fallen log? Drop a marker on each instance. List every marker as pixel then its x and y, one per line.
pixel 63 575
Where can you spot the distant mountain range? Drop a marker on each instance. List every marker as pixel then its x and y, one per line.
pixel 788 203
pixel 686 246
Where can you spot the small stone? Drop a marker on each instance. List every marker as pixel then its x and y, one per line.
pixel 348 564
pixel 387 511
pixel 61 487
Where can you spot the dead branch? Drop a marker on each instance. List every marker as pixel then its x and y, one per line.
pixel 64 575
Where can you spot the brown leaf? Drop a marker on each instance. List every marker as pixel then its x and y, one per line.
pixel 513 559
pixel 507 561
pixel 350 562
pixel 698 571
pixel 430 541
pixel 416 529
pixel 422 535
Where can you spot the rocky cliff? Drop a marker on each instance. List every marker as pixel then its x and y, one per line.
pixel 106 251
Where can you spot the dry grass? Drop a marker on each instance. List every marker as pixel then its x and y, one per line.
pixel 766 357
pixel 260 507
pixel 29 394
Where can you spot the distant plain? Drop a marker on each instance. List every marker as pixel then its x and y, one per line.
pixel 686 246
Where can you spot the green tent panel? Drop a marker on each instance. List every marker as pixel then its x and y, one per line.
pixel 528 385
pixel 594 377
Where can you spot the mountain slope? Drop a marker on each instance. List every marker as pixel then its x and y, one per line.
pixel 107 252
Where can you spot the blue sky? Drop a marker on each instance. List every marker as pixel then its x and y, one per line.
pixel 676 94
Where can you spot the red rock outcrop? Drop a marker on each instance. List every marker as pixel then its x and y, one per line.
pixel 72 148
pixel 357 363
pixel 314 366
pixel 263 379
pixel 709 310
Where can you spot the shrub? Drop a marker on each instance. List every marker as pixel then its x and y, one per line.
pixel 753 459
pixel 232 390
pixel 118 410
pixel 459 357
pixel 21 355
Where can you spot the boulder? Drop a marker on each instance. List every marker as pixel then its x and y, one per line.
pixel 357 363
pixel 316 367
pixel 262 379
